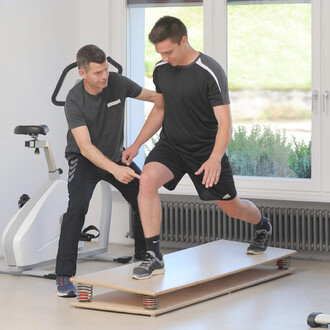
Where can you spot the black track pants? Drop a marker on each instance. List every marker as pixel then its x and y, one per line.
pixel 82 179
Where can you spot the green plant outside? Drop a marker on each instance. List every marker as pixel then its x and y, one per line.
pixel 263 152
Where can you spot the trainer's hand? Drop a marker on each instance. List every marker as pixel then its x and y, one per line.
pixel 125 174
pixel 212 169
pixel 128 155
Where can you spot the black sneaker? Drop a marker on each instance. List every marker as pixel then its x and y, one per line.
pixel 260 241
pixel 150 265
pixel 64 287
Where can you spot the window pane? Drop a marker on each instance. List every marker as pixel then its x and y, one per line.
pixel 269 76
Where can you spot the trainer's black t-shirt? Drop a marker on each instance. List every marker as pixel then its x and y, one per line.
pixel 103 114
pixel 190 93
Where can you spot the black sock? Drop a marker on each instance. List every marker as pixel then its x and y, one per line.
pixel 263 224
pixel 153 245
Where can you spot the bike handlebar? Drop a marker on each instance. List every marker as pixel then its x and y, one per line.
pixel 69 68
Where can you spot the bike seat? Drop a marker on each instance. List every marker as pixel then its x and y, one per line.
pixel 31 129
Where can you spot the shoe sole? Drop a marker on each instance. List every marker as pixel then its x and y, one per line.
pixel 254 252
pixel 70 294
pixel 155 272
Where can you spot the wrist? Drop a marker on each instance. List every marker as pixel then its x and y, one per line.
pixel 217 156
pixel 112 167
pixel 136 144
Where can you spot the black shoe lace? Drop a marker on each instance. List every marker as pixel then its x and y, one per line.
pixel 147 259
pixel 260 238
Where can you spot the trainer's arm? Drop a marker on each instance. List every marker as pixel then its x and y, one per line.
pixel 121 173
pixel 149 129
pixel 147 95
pixel 212 167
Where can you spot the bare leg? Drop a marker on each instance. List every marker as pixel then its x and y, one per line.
pixel 153 176
pixel 241 209
pixel 247 211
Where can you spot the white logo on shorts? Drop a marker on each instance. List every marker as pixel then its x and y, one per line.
pixel 226 196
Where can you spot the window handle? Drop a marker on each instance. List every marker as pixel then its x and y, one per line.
pixel 325 102
pixel 315 98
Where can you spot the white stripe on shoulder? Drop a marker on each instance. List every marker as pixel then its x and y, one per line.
pixel 160 63
pixel 205 67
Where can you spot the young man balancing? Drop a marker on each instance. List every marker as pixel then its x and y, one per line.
pixel 192 107
pixel 94 110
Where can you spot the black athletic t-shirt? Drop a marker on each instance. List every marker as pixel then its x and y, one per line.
pixel 190 93
pixel 103 114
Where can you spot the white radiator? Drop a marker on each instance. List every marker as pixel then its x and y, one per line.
pixel 197 223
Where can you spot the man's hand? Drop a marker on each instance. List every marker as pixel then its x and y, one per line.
pixel 124 174
pixel 212 169
pixel 128 154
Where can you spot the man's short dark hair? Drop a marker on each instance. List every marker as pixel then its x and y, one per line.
pixel 168 27
pixel 88 54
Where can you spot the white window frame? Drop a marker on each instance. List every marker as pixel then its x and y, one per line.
pixel 323 7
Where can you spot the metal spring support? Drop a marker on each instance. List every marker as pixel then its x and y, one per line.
pixel 150 302
pixel 283 263
pixel 84 292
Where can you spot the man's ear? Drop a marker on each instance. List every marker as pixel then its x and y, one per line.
pixel 184 40
pixel 82 73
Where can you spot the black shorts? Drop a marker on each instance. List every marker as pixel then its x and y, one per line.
pixel 180 164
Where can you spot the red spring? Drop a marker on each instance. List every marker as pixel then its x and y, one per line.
pixel 283 263
pixel 85 292
pixel 150 302
pixel 83 296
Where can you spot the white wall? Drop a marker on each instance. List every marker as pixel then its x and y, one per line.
pixel 38 39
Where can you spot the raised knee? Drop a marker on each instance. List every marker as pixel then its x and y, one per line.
pixel 147 183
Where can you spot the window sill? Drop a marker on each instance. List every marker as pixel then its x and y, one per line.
pixel 263 188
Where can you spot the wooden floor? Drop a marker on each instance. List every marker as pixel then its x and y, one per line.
pixel 31 303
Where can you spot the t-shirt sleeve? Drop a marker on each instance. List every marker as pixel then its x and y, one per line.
pixel 132 88
pixel 73 113
pixel 218 87
pixel 155 77
pixel 155 80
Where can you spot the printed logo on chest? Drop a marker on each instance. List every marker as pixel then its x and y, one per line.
pixel 113 103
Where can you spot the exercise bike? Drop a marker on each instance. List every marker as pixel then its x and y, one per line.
pixel 30 240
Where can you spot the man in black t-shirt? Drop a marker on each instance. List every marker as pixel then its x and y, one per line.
pixel 192 108
pixel 95 110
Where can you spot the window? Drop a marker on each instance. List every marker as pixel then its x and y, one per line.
pixel 269 76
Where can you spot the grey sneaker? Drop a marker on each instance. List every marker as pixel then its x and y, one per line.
pixel 134 260
pixel 150 265
pixel 138 259
pixel 260 241
pixel 64 287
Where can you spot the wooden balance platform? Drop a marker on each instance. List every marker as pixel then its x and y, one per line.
pixel 191 276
